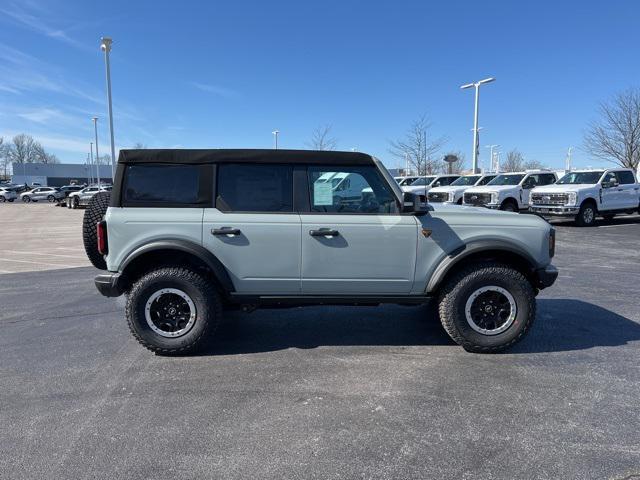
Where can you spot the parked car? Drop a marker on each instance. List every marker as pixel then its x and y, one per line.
pixel 509 191
pixel 50 194
pixel 585 194
pixel 453 193
pixel 7 194
pixel 406 181
pixel 180 251
pixel 422 185
pixel 81 197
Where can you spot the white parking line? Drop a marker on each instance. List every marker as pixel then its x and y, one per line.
pixel 10 260
pixel 45 254
pixel 621 225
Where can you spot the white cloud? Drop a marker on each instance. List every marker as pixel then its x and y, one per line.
pixel 43 115
pixel 215 89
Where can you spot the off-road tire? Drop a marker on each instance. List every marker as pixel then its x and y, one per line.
pixel 509 205
pixel 202 293
pixel 92 215
pixel 580 218
pixel 456 291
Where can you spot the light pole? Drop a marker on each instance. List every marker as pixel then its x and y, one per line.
pixel 105 46
pixel 92 177
pixel 275 134
pixel 476 133
pixel 491 158
pixel 95 127
pixel 90 167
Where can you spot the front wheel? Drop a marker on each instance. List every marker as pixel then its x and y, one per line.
pixel 173 310
pixel 587 215
pixel 487 308
pixel 11 200
pixel 509 206
pixel 2 199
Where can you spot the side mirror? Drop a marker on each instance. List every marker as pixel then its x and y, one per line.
pixel 610 184
pixel 411 204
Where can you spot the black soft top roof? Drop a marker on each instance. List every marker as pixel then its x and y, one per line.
pixel 206 156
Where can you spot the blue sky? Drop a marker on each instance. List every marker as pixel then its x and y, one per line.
pixel 226 74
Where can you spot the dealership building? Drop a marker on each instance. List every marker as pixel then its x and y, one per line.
pixel 58 174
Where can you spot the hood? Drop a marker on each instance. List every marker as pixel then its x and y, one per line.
pixel 491 188
pixel 563 188
pixel 418 189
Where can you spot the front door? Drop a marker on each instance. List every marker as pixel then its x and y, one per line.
pixel 253 229
pixel 359 245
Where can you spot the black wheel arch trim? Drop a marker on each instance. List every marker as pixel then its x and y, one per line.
pixel 191 248
pixel 454 258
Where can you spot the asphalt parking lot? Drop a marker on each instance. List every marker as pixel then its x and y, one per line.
pixel 321 392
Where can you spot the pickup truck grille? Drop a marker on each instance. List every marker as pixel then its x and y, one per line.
pixel 549 198
pixel 438 196
pixel 477 198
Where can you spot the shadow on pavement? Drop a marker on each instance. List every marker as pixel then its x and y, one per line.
pixel 561 325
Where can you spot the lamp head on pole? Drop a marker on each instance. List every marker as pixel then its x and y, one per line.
pixel 105 44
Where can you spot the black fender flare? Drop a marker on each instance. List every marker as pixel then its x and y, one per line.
pixel 458 255
pixel 191 248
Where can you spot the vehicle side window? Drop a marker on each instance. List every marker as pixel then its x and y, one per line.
pixel 610 177
pixel 255 188
pixel 530 182
pixel 625 177
pixel 486 180
pixel 547 179
pixel 162 185
pixel 367 192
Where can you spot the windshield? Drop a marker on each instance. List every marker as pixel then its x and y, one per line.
pixel 423 181
pixel 464 181
pixel 507 179
pixel 580 177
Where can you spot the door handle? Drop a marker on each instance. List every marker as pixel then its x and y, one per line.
pixel 324 232
pixel 225 231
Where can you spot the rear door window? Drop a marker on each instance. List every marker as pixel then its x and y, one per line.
pixel 625 177
pixel 246 187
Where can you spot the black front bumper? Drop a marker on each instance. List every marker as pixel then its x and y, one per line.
pixel 545 277
pixel 109 284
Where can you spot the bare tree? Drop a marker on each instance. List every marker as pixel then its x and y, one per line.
pixel 534 165
pixel 457 165
pixel 41 156
pixel 321 139
pixel 514 162
pixel 419 148
pixel 139 146
pixel 616 136
pixel 22 150
pixel 4 158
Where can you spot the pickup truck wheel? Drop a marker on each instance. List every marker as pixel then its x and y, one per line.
pixel 509 206
pixel 94 213
pixel 487 308
pixel 173 310
pixel 587 215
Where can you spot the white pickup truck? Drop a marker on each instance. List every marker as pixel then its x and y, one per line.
pixel 422 185
pixel 453 193
pixel 584 194
pixel 509 191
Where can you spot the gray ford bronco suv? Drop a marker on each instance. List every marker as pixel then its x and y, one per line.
pixel 186 234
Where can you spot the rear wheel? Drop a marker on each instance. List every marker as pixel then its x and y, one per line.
pixel 92 215
pixel 2 199
pixel 173 310
pixel 26 199
pixel 587 215
pixel 51 198
pixel 487 308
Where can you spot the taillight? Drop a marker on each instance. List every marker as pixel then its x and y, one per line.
pixel 103 247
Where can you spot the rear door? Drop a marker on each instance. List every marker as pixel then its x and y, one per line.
pixel 628 189
pixel 359 246
pixel 253 228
